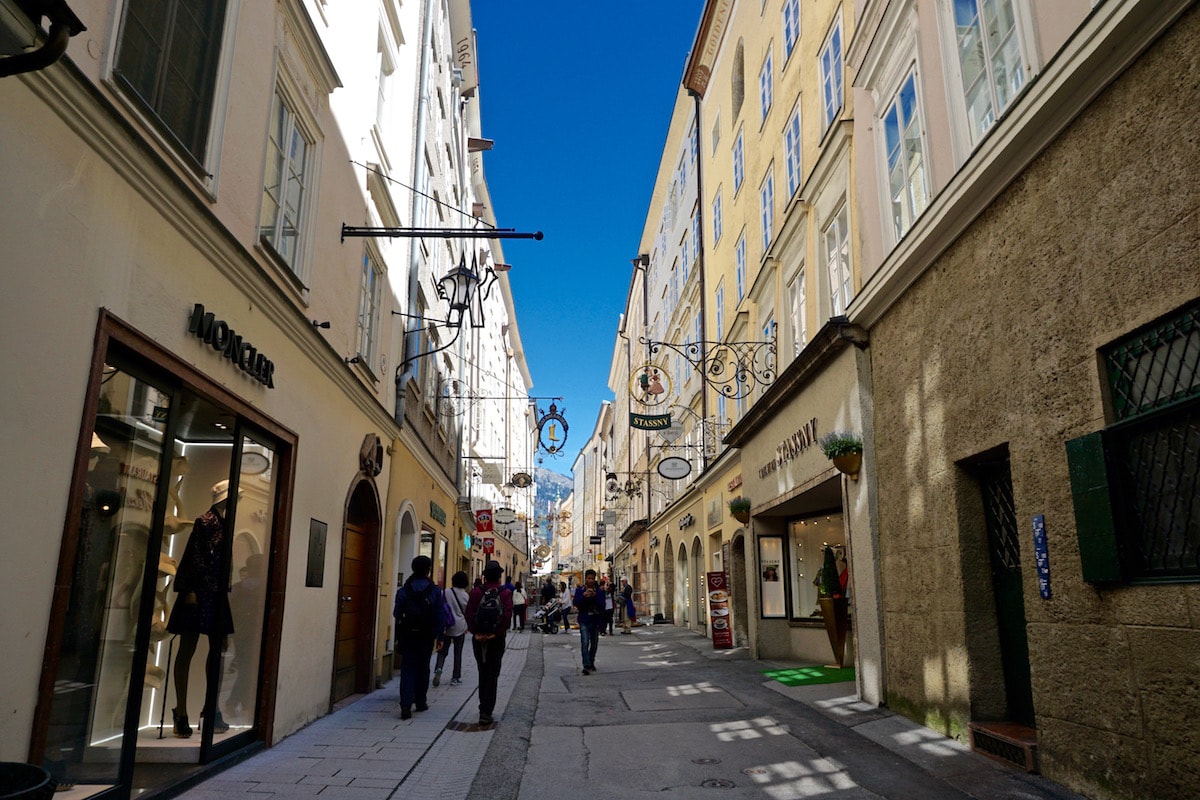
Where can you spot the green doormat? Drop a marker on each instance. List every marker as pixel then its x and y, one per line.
pixel 806 676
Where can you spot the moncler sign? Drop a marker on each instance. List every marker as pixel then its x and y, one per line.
pixel 229 343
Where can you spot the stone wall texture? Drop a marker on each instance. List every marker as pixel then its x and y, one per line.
pixel 996 346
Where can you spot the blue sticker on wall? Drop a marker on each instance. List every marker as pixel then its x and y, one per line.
pixel 1041 555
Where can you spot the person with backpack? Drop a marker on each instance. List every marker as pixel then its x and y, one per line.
pixel 420 621
pixel 489 613
pixel 456 601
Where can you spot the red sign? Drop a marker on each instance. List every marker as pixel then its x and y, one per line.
pixel 489 545
pixel 483 520
pixel 718 611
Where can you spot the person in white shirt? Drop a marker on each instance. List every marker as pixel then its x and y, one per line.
pixel 456 599
pixel 519 607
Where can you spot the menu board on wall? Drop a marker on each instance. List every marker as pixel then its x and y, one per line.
pixel 718 611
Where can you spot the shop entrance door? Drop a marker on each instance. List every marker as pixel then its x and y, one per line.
pixel 350 605
pixel 1005 554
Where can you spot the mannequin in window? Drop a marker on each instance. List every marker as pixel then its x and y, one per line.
pixel 202 583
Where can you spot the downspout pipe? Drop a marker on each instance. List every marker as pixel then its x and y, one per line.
pixel 700 265
pixel 44 56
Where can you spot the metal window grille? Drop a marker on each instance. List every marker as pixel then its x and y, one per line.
pixel 995 483
pixel 1154 449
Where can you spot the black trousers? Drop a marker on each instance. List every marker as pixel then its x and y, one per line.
pixel 488 656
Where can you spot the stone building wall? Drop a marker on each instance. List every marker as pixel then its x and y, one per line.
pixel 996 345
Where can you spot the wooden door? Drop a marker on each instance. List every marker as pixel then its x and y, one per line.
pixel 353 592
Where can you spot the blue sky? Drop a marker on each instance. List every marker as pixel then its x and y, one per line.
pixel 577 97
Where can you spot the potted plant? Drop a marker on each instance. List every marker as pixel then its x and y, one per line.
pixel 844 449
pixel 739 507
pixel 835 606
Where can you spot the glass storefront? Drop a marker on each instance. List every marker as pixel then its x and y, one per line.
pixel 167 564
pixel 808 539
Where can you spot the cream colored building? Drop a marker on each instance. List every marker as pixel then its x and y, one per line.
pixel 213 408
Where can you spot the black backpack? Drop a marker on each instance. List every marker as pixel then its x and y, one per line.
pixel 414 613
pixel 490 614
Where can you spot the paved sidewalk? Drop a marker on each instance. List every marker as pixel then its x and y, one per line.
pixel 365 752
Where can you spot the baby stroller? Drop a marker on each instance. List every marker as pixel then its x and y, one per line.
pixel 547 618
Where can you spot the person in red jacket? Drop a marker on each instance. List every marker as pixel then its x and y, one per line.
pixel 487 636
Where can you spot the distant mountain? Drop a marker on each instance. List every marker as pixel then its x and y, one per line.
pixel 552 487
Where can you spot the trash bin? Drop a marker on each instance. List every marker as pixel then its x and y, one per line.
pixel 24 782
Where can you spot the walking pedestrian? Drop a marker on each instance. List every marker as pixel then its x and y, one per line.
pixel 456 598
pixel 548 592
pixel 565 604
pixel 589 602
pixel 419 624
pixel 630 608
pixel 606 627
pixel 519 607
pixel 489 613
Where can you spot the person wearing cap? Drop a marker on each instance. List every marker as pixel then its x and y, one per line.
pixel 489 648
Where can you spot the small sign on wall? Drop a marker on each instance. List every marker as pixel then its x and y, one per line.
pixel 1041 555
pixel 315 576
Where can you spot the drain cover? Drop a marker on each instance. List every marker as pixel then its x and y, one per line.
pixel 754 771
pixel 706 761
pixel 717 783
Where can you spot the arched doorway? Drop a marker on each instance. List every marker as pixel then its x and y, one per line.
pixel 357 592
pixel 738 583
pixel 697 584
pixel 683 590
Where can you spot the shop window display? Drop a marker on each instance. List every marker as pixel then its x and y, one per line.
pixel 164 620
pixel 808 540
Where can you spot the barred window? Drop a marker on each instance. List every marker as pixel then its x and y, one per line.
pixel 1153 447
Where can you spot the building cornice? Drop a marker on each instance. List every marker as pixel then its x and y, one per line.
pixel 707 45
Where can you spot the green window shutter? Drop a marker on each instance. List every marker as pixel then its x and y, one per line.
pixel 1095 525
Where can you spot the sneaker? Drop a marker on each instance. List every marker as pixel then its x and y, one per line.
pixel 406 713
pixel 421 707
pixel 456 681
pixel 437 677
pixel 587 671
pixel 486 719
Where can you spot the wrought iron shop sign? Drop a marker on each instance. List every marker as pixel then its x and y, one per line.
pixel 549 428
pixel 650 422
pixel 216 333
pixel 437 512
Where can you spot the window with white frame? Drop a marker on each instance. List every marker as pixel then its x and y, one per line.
pixel 717 217
pixel 740 266
pixel 367 335
pixel 695 148
pixel 766 199
pixel 798 312
pixel 719 302
pixel 696 234
pixel 383 83
pixel 684 260
pixel 831 74
pixel 716 132
pixel 737 81
pixel 791 26
pixel 989 53
pixel 836 238
pixel 739 161
pixel 281 222
pixel 167 57
pixel 766 86
pixel 905 157
pixel 791 146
